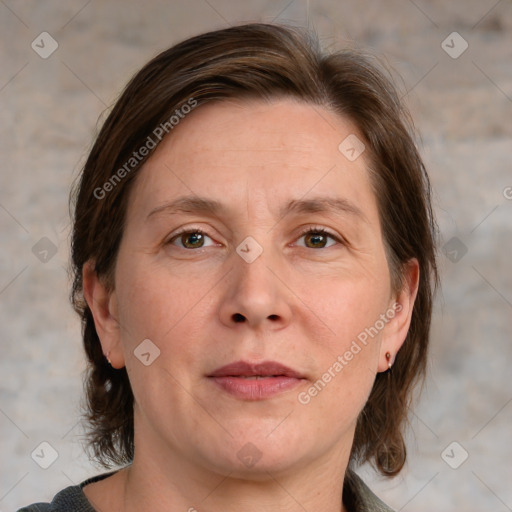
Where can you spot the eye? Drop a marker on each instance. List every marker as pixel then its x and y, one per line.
pixel 318 238
pixel 192 239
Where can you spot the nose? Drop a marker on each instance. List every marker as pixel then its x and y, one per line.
pixel 255 294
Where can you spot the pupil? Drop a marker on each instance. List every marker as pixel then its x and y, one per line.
pixel 193 239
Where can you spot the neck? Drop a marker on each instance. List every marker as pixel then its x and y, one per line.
pixel 157 482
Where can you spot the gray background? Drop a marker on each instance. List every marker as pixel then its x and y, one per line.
pixel 463 109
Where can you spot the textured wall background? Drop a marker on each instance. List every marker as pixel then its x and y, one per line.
pixel 462 104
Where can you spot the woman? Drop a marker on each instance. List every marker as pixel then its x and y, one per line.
pixel 254 261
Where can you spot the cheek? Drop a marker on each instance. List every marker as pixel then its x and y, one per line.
pixel 152 301
pixel 170 313
pixel 151 307
pixel 347 306
pixel 350 312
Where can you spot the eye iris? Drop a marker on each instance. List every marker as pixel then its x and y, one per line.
pixel 192 240
pixel 317 239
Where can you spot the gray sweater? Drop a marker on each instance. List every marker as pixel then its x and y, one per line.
pixel 356 496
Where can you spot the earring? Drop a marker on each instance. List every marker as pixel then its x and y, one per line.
pixel 108 358
pixel 388 358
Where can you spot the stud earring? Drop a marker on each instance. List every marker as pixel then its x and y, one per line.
pixel 107 356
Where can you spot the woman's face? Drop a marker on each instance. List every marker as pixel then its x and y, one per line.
pixel 252 239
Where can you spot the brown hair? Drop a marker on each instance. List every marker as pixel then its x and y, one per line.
pixel 258 61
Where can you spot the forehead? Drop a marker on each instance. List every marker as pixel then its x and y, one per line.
pixel 258 151
pixel 300 130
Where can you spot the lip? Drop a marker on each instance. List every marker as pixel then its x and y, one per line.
pixel 272 378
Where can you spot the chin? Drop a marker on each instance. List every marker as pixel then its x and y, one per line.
pixel 260 457
pixel 259 469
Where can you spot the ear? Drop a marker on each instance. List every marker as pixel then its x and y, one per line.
pixel 399 315
pixel 103 305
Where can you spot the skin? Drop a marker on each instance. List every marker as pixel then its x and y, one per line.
pixel 302 301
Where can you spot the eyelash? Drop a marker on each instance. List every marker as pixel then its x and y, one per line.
pixel 187 231
pixel 321 231
pixel 306 231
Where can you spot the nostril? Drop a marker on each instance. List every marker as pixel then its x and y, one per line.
pixel 273 317
pixel 237 317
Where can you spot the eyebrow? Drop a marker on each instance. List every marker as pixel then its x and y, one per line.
pixel 196 204
pixel 335 205
pixel 190 204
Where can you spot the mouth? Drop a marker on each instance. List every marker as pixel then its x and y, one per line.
pixel 259 381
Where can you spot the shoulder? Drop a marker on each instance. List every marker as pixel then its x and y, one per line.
pixel 70 499
pixel 36 507
pixel 358 496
